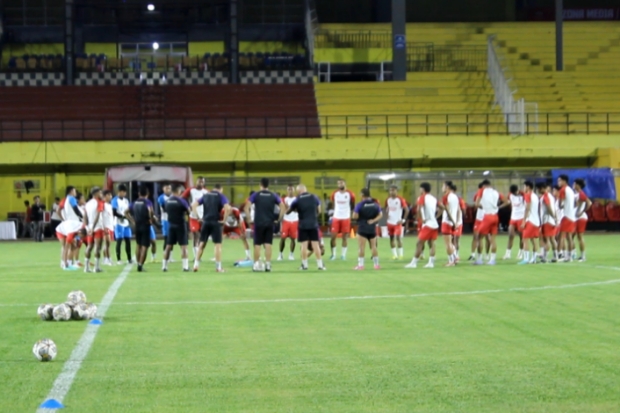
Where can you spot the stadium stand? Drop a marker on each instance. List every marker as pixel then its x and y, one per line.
pixel 119 112
pixel 427 104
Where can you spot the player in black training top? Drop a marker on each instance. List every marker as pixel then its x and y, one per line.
pixel 308 206
pixel 215 212
pixel 141 213
pixel 177 209
pixel 264 202
pixel 368 213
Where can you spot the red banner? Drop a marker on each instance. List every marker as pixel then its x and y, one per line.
pixel 548 14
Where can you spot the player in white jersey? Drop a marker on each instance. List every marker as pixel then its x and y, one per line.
pixel 517 215
pixel 548 221
pixel 396 209
pixel 583 204
pixel 489 202
pixel 290 223
pixel 568 223
pixel 476 242
pixel 344 201
pixel 122 230
pixel 428 226
pixel 195 218
pixel 449 222
pixel 108 226
pixel 93 221
pixel 531 224
pixel 69 227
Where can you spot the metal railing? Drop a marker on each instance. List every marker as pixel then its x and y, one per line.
pixel 427 57
pixel 514 110
pixel 158 63
pixel 353 39
pixel 353 126
pixel 357 126
pixel 154 129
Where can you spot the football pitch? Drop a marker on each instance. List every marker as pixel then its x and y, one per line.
pixel 502 339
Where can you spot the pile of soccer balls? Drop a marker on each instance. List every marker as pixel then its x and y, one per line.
pixel 75 308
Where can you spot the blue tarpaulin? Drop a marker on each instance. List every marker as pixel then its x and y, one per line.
pixel 600 182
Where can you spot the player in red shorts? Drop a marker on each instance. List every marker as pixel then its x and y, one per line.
pixel 517 215
pixel 290 224
pixel 458 232
pixel 488 202
pixel 429 228
pixel 583 205
pixel 93 221
pixel 476 242
pixel 344 202
pixel 568 224
pixel 548 221
pixel 195 218
pixel 531 224
pixel 235 225
pixel 451 212
pixel 396 209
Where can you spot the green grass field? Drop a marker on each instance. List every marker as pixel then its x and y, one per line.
pixel 464 339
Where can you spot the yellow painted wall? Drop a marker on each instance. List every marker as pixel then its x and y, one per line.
pixel 200 48
pixel 353 55
pixel 108 49
pixel 14 201
pixel 422 149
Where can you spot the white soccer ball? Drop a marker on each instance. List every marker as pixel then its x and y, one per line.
pixel 76 297
pixel 80 311
pixel 45 350
pixel 231 221
pixel 62 312
pixel 91 310
pixel 45 312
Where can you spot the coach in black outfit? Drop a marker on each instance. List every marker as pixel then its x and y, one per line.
pixel 142 212
pixel 177 209
pixel 214 203
pixel 308 206
pixel 264 218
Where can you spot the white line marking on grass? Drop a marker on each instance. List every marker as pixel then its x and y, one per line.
pixel 376 297
pixel 63 382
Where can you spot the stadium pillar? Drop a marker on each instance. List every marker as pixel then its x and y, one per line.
pixel 69 41
pixel 399 40
pixel 233 42
pixel 559 36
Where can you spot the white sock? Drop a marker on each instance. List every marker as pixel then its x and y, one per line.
pixel 218 265
pixel 333 251
pixel 153 256
pixel 196 263
pixel 493 256
pixel 360 262
pixel 268 264
pixel 520 251
pixel 344 252
pixel 185 262
pixel 414 260
pixel 526 256
pixel 431 260
pixel 96 263
pixel 583 255
pixel 400 252
pixel 86 262
pixel 319 263
pixel 195 252
pixel 280 256
pixel 375 260
pixel 304 263
pixel 394 252
pixel 164 264
pixel 508 252
pixel 247 254
pixel 534 257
